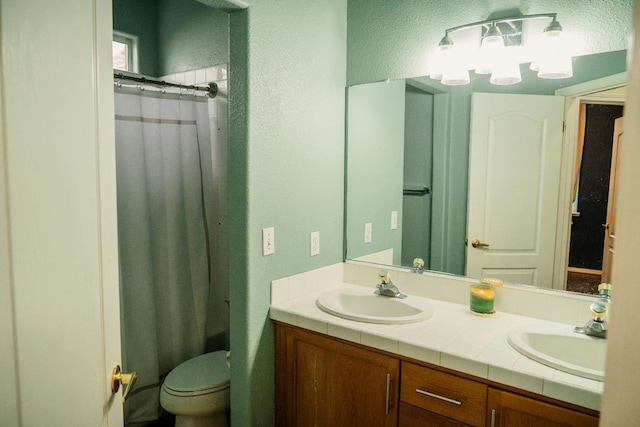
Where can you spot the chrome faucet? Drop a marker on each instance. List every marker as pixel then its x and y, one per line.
pixel 386 288
pixel 598 325
pixel 418 265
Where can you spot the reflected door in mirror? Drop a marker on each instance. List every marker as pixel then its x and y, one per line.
pixel 514 168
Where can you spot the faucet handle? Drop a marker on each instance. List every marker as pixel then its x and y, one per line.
pixel 598 311
pixel 384 276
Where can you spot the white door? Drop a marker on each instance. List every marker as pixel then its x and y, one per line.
pixel 514 170
pixel 58 229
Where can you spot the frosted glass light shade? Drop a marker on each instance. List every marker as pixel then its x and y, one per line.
pixel 553 60
pixel 491 49
pixel 443 58
pixel 456 76
pixel 560 68
pixel 436 67
pixel 506 72
pixel 454 71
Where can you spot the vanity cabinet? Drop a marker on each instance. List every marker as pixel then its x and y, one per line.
pixel 324 381
pixel 508 409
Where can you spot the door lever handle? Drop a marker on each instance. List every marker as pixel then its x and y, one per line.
pixel 478 244
pixel 117 378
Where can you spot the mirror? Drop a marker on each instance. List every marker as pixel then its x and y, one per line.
pixel 408 166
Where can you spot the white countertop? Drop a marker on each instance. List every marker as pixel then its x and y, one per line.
pixel 453 338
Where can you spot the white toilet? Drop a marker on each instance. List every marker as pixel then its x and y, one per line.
pixel 197 391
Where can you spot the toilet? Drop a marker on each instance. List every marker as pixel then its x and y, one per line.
pixel 197 391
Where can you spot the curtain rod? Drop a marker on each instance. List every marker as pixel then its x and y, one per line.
pixel 211 90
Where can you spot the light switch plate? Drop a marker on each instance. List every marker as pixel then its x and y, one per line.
pixel 268 241
pixel 314 242
pixel 367 232
pixel 394 220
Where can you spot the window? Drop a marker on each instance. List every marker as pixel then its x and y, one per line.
pixel 124 50
pixel 120 56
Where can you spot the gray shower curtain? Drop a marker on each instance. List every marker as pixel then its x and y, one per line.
pixel 162 146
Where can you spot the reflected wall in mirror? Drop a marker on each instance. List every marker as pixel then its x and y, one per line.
pixel 408 157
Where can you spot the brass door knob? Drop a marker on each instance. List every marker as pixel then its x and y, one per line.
pixel 478 244
pixel 117 378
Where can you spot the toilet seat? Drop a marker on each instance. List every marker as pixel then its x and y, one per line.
pixel 204 374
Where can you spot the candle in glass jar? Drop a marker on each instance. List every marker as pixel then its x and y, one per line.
pixel 481 298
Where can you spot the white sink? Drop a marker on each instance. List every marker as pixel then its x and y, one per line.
pixel 559 347
pixel 365 306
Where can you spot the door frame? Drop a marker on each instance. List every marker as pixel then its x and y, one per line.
pixel 587 92
pixel 612 202
pixel 9 409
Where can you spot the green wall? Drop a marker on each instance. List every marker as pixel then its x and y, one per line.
pixel 139 18
pixel 174 35
pixel 287 77
pixel 190 36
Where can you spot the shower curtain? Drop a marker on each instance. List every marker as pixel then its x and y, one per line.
pixel 163 145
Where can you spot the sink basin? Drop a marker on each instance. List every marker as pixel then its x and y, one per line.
pixel 559 347
pixel 365 306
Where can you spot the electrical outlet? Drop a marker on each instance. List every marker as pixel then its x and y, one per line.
pixel 367 232
pixel 268 241
pixel 394 220
pixel 314 241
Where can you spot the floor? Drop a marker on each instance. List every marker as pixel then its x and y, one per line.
pixel 583 283
pixel 165 421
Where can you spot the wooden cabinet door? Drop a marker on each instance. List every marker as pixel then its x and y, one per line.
pixel 507 409
pixel 324 382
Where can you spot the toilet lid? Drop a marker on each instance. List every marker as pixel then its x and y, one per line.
pixel 203 372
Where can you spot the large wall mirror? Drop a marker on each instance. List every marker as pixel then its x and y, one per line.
pixel 420 182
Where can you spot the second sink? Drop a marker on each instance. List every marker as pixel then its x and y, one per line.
pixel 559 347
pixel 363 305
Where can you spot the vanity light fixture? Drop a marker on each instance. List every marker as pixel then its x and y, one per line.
pixel 497 53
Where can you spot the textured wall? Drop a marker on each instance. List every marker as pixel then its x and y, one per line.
pixel 287 76
pixel 174 35
pixel 392 39
pixel 190 36
pixel 139 18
